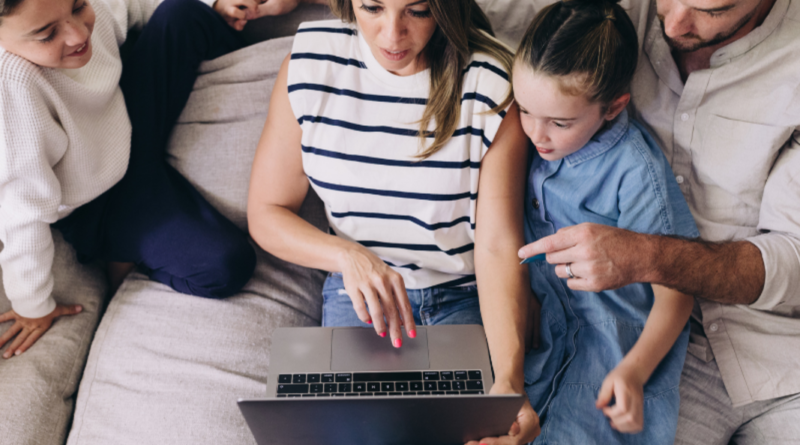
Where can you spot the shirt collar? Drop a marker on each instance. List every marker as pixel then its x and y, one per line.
pixel 601 142
pixel 754 37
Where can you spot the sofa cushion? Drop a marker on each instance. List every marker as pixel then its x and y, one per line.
pixel 511 18
pixel 272 27
pixel 37 388
pixel 166 367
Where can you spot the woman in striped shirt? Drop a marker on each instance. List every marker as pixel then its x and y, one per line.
pixel 397 115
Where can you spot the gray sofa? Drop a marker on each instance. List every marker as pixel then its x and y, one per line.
pixel 152 366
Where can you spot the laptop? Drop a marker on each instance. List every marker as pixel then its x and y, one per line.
pixel 347 385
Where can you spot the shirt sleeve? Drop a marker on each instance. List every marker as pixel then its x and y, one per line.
pixel 650 200
pixel 30 142
pixel 487 84
pixel 779 221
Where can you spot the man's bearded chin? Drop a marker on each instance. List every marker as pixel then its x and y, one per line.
pixel 692 42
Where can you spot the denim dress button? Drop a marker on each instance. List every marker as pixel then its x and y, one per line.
pixel 535 204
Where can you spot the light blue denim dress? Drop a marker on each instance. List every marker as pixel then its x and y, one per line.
pixel 622 179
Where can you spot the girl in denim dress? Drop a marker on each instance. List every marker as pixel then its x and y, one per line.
pixel 610 362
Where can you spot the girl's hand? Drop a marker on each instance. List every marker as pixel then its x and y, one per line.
pixel 237 12
pixel 523 430
pixel 369 282
pixel 277 7
pixel 280 7
pixel 28 330
pixel 627 388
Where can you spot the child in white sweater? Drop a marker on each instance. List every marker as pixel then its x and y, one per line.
pixel 82 147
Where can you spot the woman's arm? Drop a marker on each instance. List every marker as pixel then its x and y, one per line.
pixel 668 317
pixel 278 186
pixel 503 285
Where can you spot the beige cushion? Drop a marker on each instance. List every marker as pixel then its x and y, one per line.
pixel 285 25
pixel 511 18
pixel 37 388
pixel 168 368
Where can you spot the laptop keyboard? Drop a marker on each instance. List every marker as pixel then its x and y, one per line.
pixel 364 384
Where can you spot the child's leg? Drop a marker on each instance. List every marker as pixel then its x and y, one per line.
pixel 154 217
pixel 159 74
pixel 180 240
pixel 117 272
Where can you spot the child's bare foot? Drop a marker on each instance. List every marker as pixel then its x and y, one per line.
pixel 117 273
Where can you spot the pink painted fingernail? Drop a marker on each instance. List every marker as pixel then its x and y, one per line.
pixel 383 334
pixel 369 321
pixel 398 343
pixel 412 333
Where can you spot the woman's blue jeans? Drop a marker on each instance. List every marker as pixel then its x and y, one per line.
pixel 434 305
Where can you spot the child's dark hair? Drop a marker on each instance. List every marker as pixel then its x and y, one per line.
pixel 591 38
pixel 7 7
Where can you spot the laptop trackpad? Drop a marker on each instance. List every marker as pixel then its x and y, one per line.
pixel 361 349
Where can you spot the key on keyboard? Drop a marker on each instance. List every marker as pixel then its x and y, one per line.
pixel 419 383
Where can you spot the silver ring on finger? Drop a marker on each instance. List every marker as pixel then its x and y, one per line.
pixel 569 271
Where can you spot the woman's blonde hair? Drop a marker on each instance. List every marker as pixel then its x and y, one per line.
pixel 462 29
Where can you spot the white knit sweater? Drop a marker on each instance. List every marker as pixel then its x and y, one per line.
pixel 64 140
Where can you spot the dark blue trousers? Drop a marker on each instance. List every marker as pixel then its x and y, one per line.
pixel 153 216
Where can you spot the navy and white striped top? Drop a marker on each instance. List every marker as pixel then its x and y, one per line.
pixel 360 136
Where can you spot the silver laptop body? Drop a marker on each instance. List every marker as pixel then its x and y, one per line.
pixel 347 385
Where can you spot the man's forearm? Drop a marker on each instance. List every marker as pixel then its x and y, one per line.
pixel 728 272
